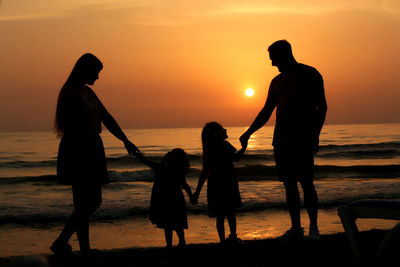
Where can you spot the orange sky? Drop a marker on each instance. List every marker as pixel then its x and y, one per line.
pixel 183 63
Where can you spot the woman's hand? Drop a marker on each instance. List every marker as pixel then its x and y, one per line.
pixel 131 148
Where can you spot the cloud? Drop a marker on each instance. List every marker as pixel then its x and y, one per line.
pixel 177 12
pixel 16 10
pixel 391 6
pixel 309 7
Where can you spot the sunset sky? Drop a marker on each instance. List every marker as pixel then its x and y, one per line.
pixel 181 63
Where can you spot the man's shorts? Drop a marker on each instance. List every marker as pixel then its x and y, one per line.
pixel 294 163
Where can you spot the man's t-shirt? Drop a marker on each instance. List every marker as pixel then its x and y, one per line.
pixel 298 95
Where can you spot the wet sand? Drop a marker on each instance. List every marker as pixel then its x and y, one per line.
pixel 139 232
pixel 331 250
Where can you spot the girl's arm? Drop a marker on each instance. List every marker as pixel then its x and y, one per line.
pixel 238 155
pixel 188 191
pixel 200 183
pixel 145 161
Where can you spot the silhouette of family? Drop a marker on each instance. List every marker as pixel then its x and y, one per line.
pixel 298 95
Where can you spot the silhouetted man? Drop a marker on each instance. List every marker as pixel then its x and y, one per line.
pixel 298 95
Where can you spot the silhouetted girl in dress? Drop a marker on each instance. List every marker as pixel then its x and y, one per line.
pixel 223 194
pixel 168 205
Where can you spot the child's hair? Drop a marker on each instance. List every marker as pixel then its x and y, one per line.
pixel 209 136
pixel 177 160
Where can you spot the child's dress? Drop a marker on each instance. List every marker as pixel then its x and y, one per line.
pixel 223 194
pixel 168 205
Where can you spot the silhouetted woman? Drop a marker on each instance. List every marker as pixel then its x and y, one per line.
pixel 81 159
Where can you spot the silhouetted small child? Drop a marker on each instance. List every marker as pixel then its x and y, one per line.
pixel 223 194
pixel 168 205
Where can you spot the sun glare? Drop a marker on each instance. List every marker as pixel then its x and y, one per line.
pixel 249 92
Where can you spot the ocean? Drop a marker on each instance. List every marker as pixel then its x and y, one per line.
pixel 355 162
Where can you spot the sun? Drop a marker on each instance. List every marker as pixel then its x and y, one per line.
pixel 249 92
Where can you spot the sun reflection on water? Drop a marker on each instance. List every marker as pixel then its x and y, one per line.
pixel 268 232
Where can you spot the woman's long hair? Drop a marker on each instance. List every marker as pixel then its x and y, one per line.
pixel 84 66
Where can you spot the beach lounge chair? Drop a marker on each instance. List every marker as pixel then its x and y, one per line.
pixel 378 209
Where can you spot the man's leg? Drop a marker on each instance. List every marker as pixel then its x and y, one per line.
pixel 293 202
pixel 311 202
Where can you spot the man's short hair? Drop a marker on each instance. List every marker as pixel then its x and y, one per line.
pixel 281 47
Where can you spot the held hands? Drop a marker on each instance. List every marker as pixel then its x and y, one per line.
pixel 244 139
pixel 131 148
pixel 194 198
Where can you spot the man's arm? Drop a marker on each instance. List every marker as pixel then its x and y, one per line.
pixel 321 108
pixel 263 116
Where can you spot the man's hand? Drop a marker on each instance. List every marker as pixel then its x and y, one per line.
pixel 244 139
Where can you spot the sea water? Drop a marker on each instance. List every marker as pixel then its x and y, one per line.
pixel 354 162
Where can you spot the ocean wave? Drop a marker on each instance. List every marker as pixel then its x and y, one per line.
pixel 107 214
pixel 28 164
pixel 358 171
pixel 362 154
pixel 385 150
pixel 146 175
pixel 245 173
pixel 262 172
pixel 383 145
pixel 265 172
pixel 42 179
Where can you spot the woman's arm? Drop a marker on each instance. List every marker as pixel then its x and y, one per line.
pixel 112 125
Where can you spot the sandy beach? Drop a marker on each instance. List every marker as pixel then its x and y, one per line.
pixel 139 232
pixel 331 250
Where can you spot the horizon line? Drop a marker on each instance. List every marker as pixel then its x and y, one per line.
pixel 193 127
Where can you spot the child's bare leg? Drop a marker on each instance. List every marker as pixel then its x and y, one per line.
pixel 221 227
pixel 232 224
pixel 181 236
pixel 168 237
